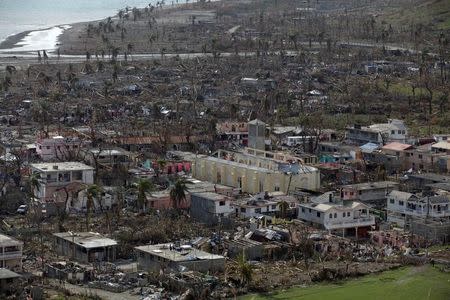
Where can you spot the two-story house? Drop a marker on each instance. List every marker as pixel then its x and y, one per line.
pixel 349 218
pixel 232 131
pixel 54 176
pixel 58 147
pixel 10 253
pixel 210 208
pixel 110 158
pixel 373 193
pixel 392 131
pixel 403 207
pixel 59 183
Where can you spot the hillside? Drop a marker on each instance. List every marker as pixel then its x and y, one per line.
pixel 434 14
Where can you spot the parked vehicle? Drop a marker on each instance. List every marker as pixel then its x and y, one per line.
pixel 23 209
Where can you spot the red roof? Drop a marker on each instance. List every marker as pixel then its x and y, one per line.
pixel 396 146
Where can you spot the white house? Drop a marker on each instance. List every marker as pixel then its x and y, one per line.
pixel 348 217
pixel 441 137
pixel 392 131
pixel 55 178
pixel 10 252
pixel 255 207
pixel 402 207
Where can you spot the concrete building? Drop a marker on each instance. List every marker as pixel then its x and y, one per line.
pixel 10 253
pixel 254 171
pixel 420 181
pixel 336 152
pixel 58 147
pixel 252 250
pixel 403 207
pixel 105 200
pixel 108 157
pixel 155 258
pixel 441 147
pixel 210 208
pixel 233 132
pixel 431 229
pixel 342 217
pixel 257 134
pixel 264 204
pixel 393 131
pixel 373 193
pixel 85 247
pixel 421 158
pixel 161 199
pixel 55 176
pixel 255 207
pixel 441 137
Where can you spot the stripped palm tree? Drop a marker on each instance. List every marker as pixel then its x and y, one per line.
pixel 93 191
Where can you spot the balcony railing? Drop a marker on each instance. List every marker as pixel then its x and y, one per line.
pixel 10 255
pixel 359 222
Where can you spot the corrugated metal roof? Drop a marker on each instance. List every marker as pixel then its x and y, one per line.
pixel 396 146
pixel 369 147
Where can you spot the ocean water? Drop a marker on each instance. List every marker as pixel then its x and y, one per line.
pixel 22 15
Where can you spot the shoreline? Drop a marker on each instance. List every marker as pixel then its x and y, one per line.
pixel 14 39
pixel 11 45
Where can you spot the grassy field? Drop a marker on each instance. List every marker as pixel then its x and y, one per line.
pixel 434 13
pixel 411 283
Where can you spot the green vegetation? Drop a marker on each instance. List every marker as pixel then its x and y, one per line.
pixel 434 13
pixel 411 283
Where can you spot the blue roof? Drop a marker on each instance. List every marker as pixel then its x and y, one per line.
pixel 369 147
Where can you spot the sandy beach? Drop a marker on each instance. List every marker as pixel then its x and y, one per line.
pixel 72 39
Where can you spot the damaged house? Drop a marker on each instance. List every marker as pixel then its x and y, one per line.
pixel 177 257
pixel 348 218
pixel 85 247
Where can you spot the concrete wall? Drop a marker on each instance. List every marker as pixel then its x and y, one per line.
pixel 207 210
pixel 83 255
pixel 252 180
pixel 433 230
pixel 151 263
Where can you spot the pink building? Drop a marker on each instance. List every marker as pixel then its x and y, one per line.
pixel 58 147
pixel 161 200
pixel 172 167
